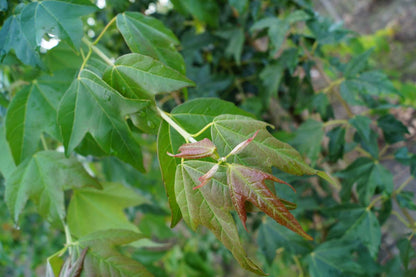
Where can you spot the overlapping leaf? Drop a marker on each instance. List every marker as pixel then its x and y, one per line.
pixel 210 206
pixel 92 210
pixel 24 31
pixel 148 36
pixel 248 184
pixel 7 164
pixel 139 76
pixel 33 112
pixel 43 179
pixel 91 106
pixel 103 259
pixel 193 116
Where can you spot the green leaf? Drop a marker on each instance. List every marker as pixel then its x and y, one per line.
pixel 336 143
pixel 91 210
pixel 406 199
pixel 32 112
pixel 263 152
pixel 7 165
pixel 368 175
pixel 358 224
pixel 297 16
pixel 91 106
pixel 277 30
pixel 206 11
pixel 407 252
pixel 210 206
pixel 192 116
pixel 43 179
pixel 393 129
pixel 24 31
pixel 148 36
pixel 248 184
pixel 272 236
pixel 138 76
pixel 332 259
pixel 357 64
pixel 365 135
pixel 308 139
pixel 3 5
pixel 235 45
pixel 271 75
pixel 241 6
pixel 103 259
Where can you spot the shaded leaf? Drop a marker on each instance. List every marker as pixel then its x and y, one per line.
pixel 365 135
pixel 138 76
pixel 43 179
pixel 308 139
pixel 277 30
pixel 357 64
pixel 210 206
pixel 407 252
pixel 91 210
pixel 7 165
pixel 336 143
pixel 206 11
pixel 103 259
pixel 406 199
pixel 333 258
pixel 393 129
pixel 271 76
pixel 33 112
pixel 148 36
pixel 235 45
pixel 358 224
pixel 247 184
pixel 91 106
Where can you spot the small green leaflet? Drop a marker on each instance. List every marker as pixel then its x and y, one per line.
pixel 210 206
pixel 23 32
pixel 32 112
pixel 91 106
pixel 235 39
pixel 139 76
pixel 277 29
pixel 192 116
pixel 368 175
pixel 358 224
pixel 92 210
pixel 103 258
pixel 7 165
pixel 43 179
pixel 393 129
pixel 148 36
pixel 332 259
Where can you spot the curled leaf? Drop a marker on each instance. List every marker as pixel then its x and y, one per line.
pixel 196 150
pixel 248 184
pixel 204 179
pixel 240 147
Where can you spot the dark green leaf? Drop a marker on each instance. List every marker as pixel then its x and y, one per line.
pixel 103 259
pixel 33 112
pixel 206 11
pixel 368 175
pixel 91 106
pixel 407 251
pixel 277 30
pixel 43 179
pixel 357 64
pixel 336 143
pixel 358 224
pixel 240 5
pixel 271 76
pixel 365 135
pixel 148 36
pixel 393 129
pixel 406 199
pixel 308 139
pixel 141 77
pixel 332 259
pixel 91 210
pixel 235 45
pixel 272 236
pixel 7 165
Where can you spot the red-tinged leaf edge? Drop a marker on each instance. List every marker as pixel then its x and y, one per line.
pixel 248 184
pixel 196 150
pixel 204 179
pixel 240 147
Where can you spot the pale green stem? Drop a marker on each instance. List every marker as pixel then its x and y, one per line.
pixel 96 51
pixel 336 122
pixel 68 236
pixel 44 144
pixel 104 30
pixel 166 117
pixel 202 130
pixel 403 185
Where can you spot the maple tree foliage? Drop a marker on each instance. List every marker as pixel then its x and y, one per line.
pixel 215 101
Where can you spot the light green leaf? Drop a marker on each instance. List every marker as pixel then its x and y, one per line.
pixel 296 16
pixel 43 179
pixel 91 210
pixel 192 116
pixel 148 36
pixel 91 106
pixel 309 138
pixel 264 151
pixel 7 165
pixel 33 112
pixel 358 224
pixel 332 259
pixel 103 259
pixel 138 76
pixel 210 206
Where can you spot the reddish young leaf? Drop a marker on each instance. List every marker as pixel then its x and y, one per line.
pixel 248 184
pixel 196 150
